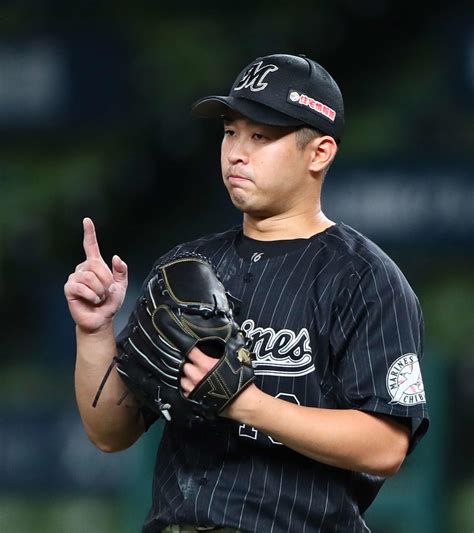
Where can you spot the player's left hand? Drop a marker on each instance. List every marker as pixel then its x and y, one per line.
pixel 197 365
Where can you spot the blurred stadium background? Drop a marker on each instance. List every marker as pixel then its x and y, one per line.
pixel 94 120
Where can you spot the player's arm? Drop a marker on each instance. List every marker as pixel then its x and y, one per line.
pixel 115 423
pixel 345 438
pixel 94 294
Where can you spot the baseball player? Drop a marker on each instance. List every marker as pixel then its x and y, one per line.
pixel 338 400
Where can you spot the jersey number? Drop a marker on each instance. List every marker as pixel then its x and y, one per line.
pixel 251 433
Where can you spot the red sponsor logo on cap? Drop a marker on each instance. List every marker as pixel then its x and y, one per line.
pixel 302 99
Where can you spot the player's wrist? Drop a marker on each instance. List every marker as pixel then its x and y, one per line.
pixel 245 405
pixel 98 334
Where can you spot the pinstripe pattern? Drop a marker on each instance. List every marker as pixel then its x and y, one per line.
pixel 328 316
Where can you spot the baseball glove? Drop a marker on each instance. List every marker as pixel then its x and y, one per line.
pixel 184 305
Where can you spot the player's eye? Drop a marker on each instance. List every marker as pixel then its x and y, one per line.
pixel 228 132
pixel 259 136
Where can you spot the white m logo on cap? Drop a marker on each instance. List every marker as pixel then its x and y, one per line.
pixel 253 78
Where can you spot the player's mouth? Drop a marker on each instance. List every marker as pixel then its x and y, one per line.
pixel 237 179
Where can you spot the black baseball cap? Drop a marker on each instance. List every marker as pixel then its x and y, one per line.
pixel 282 90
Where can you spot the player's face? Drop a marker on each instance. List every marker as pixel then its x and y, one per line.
pixel 264 171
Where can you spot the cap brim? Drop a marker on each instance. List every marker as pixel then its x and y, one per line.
pixel 217 106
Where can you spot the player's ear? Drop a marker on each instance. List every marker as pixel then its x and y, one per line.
pixel 323 151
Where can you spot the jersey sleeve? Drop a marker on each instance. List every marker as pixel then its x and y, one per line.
pixel 377 340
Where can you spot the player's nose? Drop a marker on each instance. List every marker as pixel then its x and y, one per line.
pixel 238 152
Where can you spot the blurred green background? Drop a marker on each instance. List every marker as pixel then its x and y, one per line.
pixel 94 121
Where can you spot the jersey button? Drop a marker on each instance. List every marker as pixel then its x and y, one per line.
pixel 202 481
pixel 248 277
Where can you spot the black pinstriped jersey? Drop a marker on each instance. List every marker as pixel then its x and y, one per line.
pixel 334 324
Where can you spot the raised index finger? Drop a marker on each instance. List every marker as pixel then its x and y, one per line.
pixel 91 246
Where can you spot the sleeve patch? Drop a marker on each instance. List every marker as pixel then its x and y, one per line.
pixel 404 381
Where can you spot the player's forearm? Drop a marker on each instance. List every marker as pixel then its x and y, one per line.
pixel 110 426
pixel 348 439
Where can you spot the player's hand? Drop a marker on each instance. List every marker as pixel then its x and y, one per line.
pixel 197 365
pixel 94 292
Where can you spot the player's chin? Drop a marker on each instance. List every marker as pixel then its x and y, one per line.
pixel 238 197
pixel 247 203
pixel 245 206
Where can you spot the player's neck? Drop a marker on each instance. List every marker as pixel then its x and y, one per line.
pixel 283 227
